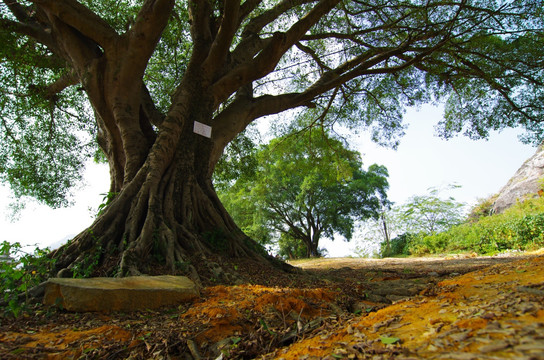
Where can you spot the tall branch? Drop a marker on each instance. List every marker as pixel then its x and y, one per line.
pixel 81 18
pixel 145 34
pixel 269 57
pixel 221 44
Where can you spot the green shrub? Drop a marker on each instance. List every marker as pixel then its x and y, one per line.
pixel 398 246
pixel 20 272
pixel 519 228
pixel 86 267
pixel 529 231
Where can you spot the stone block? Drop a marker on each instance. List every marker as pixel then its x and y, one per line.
pixel 119 294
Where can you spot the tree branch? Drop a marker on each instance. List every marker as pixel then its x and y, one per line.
pixel 251 42
pixel 20 12
pixel 144 35
pixel 66 80
pixel 258 23
pixel 199 16
pixel 33 31
pixel 78 16
pixel 269 57
pixel 246 8
pixel 221 44
pixel 153 114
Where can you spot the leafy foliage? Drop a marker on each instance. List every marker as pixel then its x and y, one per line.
pixel 44 146
pixel 399 246
pixel 520 227
pixel 19 272
pixel 305 185
pixel 430 213
pixel 239 160
pixel 357 63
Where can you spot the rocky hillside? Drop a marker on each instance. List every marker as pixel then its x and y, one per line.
pixel 525 182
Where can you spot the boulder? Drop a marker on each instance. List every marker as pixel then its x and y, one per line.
pixel 525 183
pixel 119 294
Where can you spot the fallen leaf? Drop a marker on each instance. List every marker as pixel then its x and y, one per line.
pixel 388 340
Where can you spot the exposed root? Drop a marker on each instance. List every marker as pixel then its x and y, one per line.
pixel 167 224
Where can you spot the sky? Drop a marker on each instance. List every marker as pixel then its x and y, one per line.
pixel 421 161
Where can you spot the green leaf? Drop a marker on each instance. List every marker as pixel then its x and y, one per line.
pixel 265 326
pixel 18 351
pixel 388 340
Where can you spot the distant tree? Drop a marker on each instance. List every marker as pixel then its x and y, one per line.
pixel 306 186
pixel 381 230
pixel 430 213
pixel 234 177
pixel 239 161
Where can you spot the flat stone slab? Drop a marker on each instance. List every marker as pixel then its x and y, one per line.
pixel 119 294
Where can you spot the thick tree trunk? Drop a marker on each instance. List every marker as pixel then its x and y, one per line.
pixel 165 211
pixel 166 214
pixel 158 223
pixel 313 250
pixel 311 245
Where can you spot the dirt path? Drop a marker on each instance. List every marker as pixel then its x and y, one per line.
pixel 419 265
pixel 416 308
pixel 496 312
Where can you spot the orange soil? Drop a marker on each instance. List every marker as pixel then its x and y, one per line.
pixel 467 314
pixel 470 302
pixel 221 313
pixel 62 344
pixel 224 308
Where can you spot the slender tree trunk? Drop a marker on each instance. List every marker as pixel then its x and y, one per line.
pixel 386 233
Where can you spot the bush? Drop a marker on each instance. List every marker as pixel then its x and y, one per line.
pixel 19 272
pixel 529 231
pixel 399 246
pixel 483 208
pixel 519 228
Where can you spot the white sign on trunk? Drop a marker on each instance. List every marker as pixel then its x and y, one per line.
pixel 202 129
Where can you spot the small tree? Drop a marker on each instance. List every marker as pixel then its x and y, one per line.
pixel 430 213
pixel 306 186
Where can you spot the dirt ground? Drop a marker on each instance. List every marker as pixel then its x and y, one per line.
pixel 463 307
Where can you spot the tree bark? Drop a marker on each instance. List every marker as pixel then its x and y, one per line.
pixel 165 212
pixel 168 215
